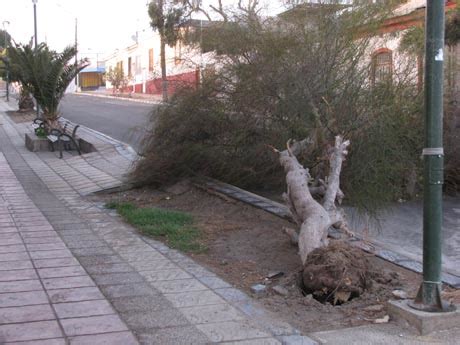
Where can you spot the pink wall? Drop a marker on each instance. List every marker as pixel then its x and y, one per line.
pixel 190 79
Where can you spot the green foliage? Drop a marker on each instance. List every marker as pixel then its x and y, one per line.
pixel 45 73
pixel 176 227
pixel 116 76
pixel 452 33
pixel 4 43
pixel 291 78
pixel 167 17
pixel 413 41
pixel 40 132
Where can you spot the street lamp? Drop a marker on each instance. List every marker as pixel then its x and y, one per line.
pixel 36 43
pixel 5 22
pixel 35 22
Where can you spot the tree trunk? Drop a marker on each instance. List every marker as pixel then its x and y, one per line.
pixel 164 77
pixel 313 218
pixel 25 102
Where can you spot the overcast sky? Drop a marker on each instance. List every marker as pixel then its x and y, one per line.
pixel 103 25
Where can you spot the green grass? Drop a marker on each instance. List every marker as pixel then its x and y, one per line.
pixel 175 227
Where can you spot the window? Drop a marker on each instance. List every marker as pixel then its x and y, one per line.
pixel 382 65
pixel 138 65
pixel 151 60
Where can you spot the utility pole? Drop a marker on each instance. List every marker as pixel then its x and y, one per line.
pixel 7 65
pixel 429 295
pixel 76 52
pixel 36 44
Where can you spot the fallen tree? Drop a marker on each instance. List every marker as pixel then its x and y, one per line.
pixel 314 218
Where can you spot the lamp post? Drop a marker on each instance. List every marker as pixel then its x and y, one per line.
pixel 5 22
pixel 429 295
pixel 36 43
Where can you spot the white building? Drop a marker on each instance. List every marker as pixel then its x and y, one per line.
pixel 141 63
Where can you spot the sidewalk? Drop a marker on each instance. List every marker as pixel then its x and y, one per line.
pixel 134 97
pixel 77 274
pixel 72 272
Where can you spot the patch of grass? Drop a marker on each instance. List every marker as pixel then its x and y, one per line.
pixel 175 227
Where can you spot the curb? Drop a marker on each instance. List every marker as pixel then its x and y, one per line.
pixel 136 100
pixel 283 212
pixel 123 149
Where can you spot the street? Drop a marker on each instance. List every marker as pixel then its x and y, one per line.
pixel 123 120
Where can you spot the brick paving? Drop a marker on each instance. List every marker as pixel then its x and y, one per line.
pixel 73 272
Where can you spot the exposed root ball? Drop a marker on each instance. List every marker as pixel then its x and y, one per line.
pixel 336 273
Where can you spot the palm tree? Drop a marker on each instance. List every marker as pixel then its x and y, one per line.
pixel 46 74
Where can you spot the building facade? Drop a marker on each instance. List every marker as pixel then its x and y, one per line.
pixel 142 65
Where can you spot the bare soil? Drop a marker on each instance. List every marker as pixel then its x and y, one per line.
pixel 246 245
pixel 20 117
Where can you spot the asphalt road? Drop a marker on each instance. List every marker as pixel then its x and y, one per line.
pixel 123 120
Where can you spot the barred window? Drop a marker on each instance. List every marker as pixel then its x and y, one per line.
pixel 382 66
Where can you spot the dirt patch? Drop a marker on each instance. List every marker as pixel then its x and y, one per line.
pixel 246 246
pixel 21 117
pixel 336 274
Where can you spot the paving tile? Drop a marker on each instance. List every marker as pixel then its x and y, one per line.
pixel 176 286
pixel 153 265
pixel 18 299
pixel 45 246
pixel 51 254
pixel 118 338
pixel 58 341
pixel 214 282
pixel 117 278
pixel 297 340
pixel 38 228
pixel 49 263
pixel 260 341
pixel 171 274
pixel 20 286
pixel 85 308
pixel 79 252
pixel 16 275
pixel 115 291
pixel 9 238
pixel 93 325
pixel 140 304
pixel 14 256
pixel 26 314
pixel 185 335
pixel 109 268
pixel 30 331
pixel 15 265
pixel 194 298
pixel 230 331
pixel 211 313
pixel 42 240
pixel 99 260
pixel 67 282
pixel 154 319
pixel 75 295
pixel 57 272
pixel 38 234
pixel 8 229
pixel 142 256
pixel 232 294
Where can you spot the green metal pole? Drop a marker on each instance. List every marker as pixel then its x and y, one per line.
pixel 429 295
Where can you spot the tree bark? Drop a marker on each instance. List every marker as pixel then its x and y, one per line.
pixel 313 218
pixel 164 77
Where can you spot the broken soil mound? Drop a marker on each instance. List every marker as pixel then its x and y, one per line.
pixel 336 273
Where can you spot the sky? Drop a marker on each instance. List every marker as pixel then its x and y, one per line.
pixel 103 25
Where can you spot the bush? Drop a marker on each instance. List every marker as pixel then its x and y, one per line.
pixel 273 88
